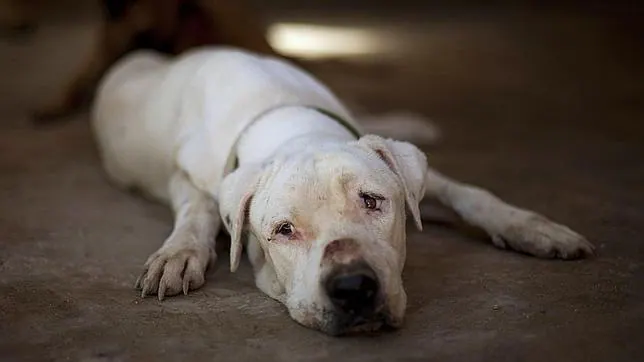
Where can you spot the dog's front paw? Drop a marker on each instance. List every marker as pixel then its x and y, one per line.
pixel 174 268
pixel 536 235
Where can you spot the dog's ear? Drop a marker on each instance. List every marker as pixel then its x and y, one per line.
pixel 406 161
pixel 235 195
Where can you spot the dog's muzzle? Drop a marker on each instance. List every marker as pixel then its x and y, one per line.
pixel 354 292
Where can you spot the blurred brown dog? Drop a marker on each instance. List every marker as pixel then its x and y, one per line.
pixel 168 26
pixel 18 17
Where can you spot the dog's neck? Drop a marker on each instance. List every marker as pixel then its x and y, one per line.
pixel 292 127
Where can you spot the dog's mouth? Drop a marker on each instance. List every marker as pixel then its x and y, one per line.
pixel 361 325
pixel 365 327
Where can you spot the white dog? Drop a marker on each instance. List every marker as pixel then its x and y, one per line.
pixel 223 134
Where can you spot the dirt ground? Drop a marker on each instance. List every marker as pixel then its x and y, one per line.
pixel 545 109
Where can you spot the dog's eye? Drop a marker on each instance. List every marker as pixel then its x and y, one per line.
pixel 285 229
pixel 371 202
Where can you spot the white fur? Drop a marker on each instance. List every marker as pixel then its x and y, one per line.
pixel 172 126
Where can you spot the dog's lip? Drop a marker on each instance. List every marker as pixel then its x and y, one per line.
pixel 368 325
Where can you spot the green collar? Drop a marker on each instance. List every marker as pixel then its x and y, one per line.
pixel 354 131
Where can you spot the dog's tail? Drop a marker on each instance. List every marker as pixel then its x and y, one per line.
pixel 403 126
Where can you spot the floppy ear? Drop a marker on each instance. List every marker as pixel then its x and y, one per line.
pixel 408 163
pixel 235 195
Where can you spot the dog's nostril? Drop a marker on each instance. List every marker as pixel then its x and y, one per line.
pixel 354 293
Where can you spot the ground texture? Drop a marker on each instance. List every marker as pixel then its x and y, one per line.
pixel 544 109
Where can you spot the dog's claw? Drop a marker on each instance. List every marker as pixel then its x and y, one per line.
pixel 139 279
pixel 161 294
pixel 186 286
pixel 146 290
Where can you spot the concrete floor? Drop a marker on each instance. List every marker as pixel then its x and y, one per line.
pixel 545 110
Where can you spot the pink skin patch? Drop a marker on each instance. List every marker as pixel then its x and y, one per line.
pixel 342 251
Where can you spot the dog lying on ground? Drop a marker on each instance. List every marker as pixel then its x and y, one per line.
pixel 167 26
pixel 227 135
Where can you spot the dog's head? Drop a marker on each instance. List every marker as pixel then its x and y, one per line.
pixel 331 226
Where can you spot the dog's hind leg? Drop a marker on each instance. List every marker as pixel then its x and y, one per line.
pixel 508 226
pixel 180 264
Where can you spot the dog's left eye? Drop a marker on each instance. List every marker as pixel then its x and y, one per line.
pixel 285 229
pixel 371 201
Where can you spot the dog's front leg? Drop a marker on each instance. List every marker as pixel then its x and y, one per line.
pixel 180 264
pixel 508 226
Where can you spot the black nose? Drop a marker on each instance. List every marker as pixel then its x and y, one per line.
pixel 353 290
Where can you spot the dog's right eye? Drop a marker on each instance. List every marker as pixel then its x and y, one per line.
pixel 285 229
pixel 371 201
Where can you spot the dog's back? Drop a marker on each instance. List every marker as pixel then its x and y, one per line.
pixel 152 113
